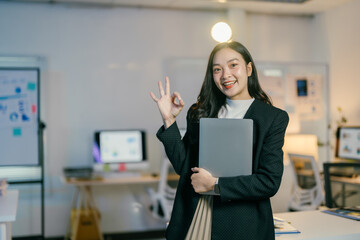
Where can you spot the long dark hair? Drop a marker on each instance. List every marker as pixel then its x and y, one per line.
pixel 211 99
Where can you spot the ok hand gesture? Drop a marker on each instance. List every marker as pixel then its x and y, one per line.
pixel 169 105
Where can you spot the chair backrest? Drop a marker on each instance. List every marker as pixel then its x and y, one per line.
pixel 163 199
pixel 337 172
pixel 305 196
pixel 164 187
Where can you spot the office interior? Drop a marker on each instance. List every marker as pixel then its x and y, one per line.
pixel 100 61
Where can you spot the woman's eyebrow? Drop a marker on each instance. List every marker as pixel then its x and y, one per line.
pixel 233 59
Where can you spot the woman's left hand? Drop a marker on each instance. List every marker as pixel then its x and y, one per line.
pixel 202 180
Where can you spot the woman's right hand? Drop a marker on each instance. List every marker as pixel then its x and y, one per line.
pixel 169 105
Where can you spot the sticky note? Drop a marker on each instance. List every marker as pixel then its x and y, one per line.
pixel 31 86
pixel 33 108
pixel 121 167
pixel 106 167
pixel 17 132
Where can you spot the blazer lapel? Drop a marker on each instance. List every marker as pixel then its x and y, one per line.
pixel 250 114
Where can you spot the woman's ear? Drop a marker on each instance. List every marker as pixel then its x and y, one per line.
pixel 249 69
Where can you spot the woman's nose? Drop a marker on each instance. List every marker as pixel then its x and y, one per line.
pixel 226 73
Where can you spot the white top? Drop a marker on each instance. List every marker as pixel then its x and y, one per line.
pixel 235 108
pixel 8 206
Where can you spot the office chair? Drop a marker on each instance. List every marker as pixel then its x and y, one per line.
pixel 163 199
pixel 305 196
pixel 340 172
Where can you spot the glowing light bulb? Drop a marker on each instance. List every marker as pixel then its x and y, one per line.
pixel 221 32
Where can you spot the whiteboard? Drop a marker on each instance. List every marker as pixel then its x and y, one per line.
pixel 19 116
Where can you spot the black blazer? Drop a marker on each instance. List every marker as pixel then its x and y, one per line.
pixel 243 210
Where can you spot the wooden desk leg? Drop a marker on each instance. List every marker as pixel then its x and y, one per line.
pixel 73 206
pixel 77 203
pixel 82 199
pixel 93 206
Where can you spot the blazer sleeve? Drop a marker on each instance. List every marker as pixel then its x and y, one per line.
pixel 174 146
pixel 266 179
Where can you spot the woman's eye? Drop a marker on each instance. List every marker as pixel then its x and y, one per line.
pixel 233 65
pixel 217 70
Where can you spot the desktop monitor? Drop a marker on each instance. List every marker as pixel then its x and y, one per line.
pixel 348 143
pixel 120 149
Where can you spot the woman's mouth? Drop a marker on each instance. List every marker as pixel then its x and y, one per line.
pixel 229 84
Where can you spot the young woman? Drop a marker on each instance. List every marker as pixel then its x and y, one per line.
pixel 242 209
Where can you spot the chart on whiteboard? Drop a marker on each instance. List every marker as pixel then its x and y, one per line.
pixel 19 116
pixel 18 99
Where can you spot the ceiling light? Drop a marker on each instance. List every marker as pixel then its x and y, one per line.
pixel 221 32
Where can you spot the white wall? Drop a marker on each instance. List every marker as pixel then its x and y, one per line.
pixel 336 36
pixel 343 38
pixel 102 63
pixel 280 38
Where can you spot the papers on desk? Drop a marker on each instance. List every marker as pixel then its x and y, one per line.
pixel 284 227
pixel 348 212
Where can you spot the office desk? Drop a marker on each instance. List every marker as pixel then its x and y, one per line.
pixel 355 181
pixel 8 209
pixel 136 179
pixel 83 197
pixel 344 181
pixel 320 226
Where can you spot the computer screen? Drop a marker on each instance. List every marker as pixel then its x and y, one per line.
pixel 348 143
pixel 119 146
pixel 302 88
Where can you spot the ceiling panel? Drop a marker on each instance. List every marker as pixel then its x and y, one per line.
pixel 292 7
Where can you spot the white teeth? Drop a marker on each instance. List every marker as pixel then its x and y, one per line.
pixel 229 83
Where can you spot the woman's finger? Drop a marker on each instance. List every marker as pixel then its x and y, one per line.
pixel 167 85
pixel 154 97
pixel 178 96
pixel 161 89
pixel 195 169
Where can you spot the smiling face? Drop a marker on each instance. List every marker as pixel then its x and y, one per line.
pixel 230 73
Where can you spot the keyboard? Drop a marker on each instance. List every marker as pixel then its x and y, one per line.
pixel 78 172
